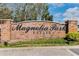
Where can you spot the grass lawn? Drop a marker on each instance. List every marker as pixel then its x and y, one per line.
pixel 40 42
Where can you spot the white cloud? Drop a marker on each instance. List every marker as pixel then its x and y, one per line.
pixel 72 13
pixel 57 17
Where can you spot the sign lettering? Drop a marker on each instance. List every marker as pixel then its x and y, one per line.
pixel 42 28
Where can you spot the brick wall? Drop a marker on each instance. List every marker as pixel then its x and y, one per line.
pixel 19 31
pixel 36 34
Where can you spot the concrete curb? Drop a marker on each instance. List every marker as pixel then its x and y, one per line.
pixel 57 47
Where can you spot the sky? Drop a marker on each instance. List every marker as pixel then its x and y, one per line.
pixel 64 11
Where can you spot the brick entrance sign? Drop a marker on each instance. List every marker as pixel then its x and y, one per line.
pixel 27 30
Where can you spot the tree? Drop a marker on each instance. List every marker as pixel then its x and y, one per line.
pixel 5 12
pixel 30 11
pixel 46 15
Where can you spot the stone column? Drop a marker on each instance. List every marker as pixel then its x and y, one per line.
pixel 5 30
pixel 71 26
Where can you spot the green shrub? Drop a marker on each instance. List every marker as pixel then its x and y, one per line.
pixel 73 36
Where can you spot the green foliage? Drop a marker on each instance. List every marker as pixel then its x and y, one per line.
pixel 5 12
pixel 32 11
pixel 73 36
pixel 24 12
pixel 46 15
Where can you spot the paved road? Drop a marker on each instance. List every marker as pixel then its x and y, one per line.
pixel 75 50
pixel 40 51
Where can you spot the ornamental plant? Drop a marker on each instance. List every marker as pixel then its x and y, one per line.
pixel 73 36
